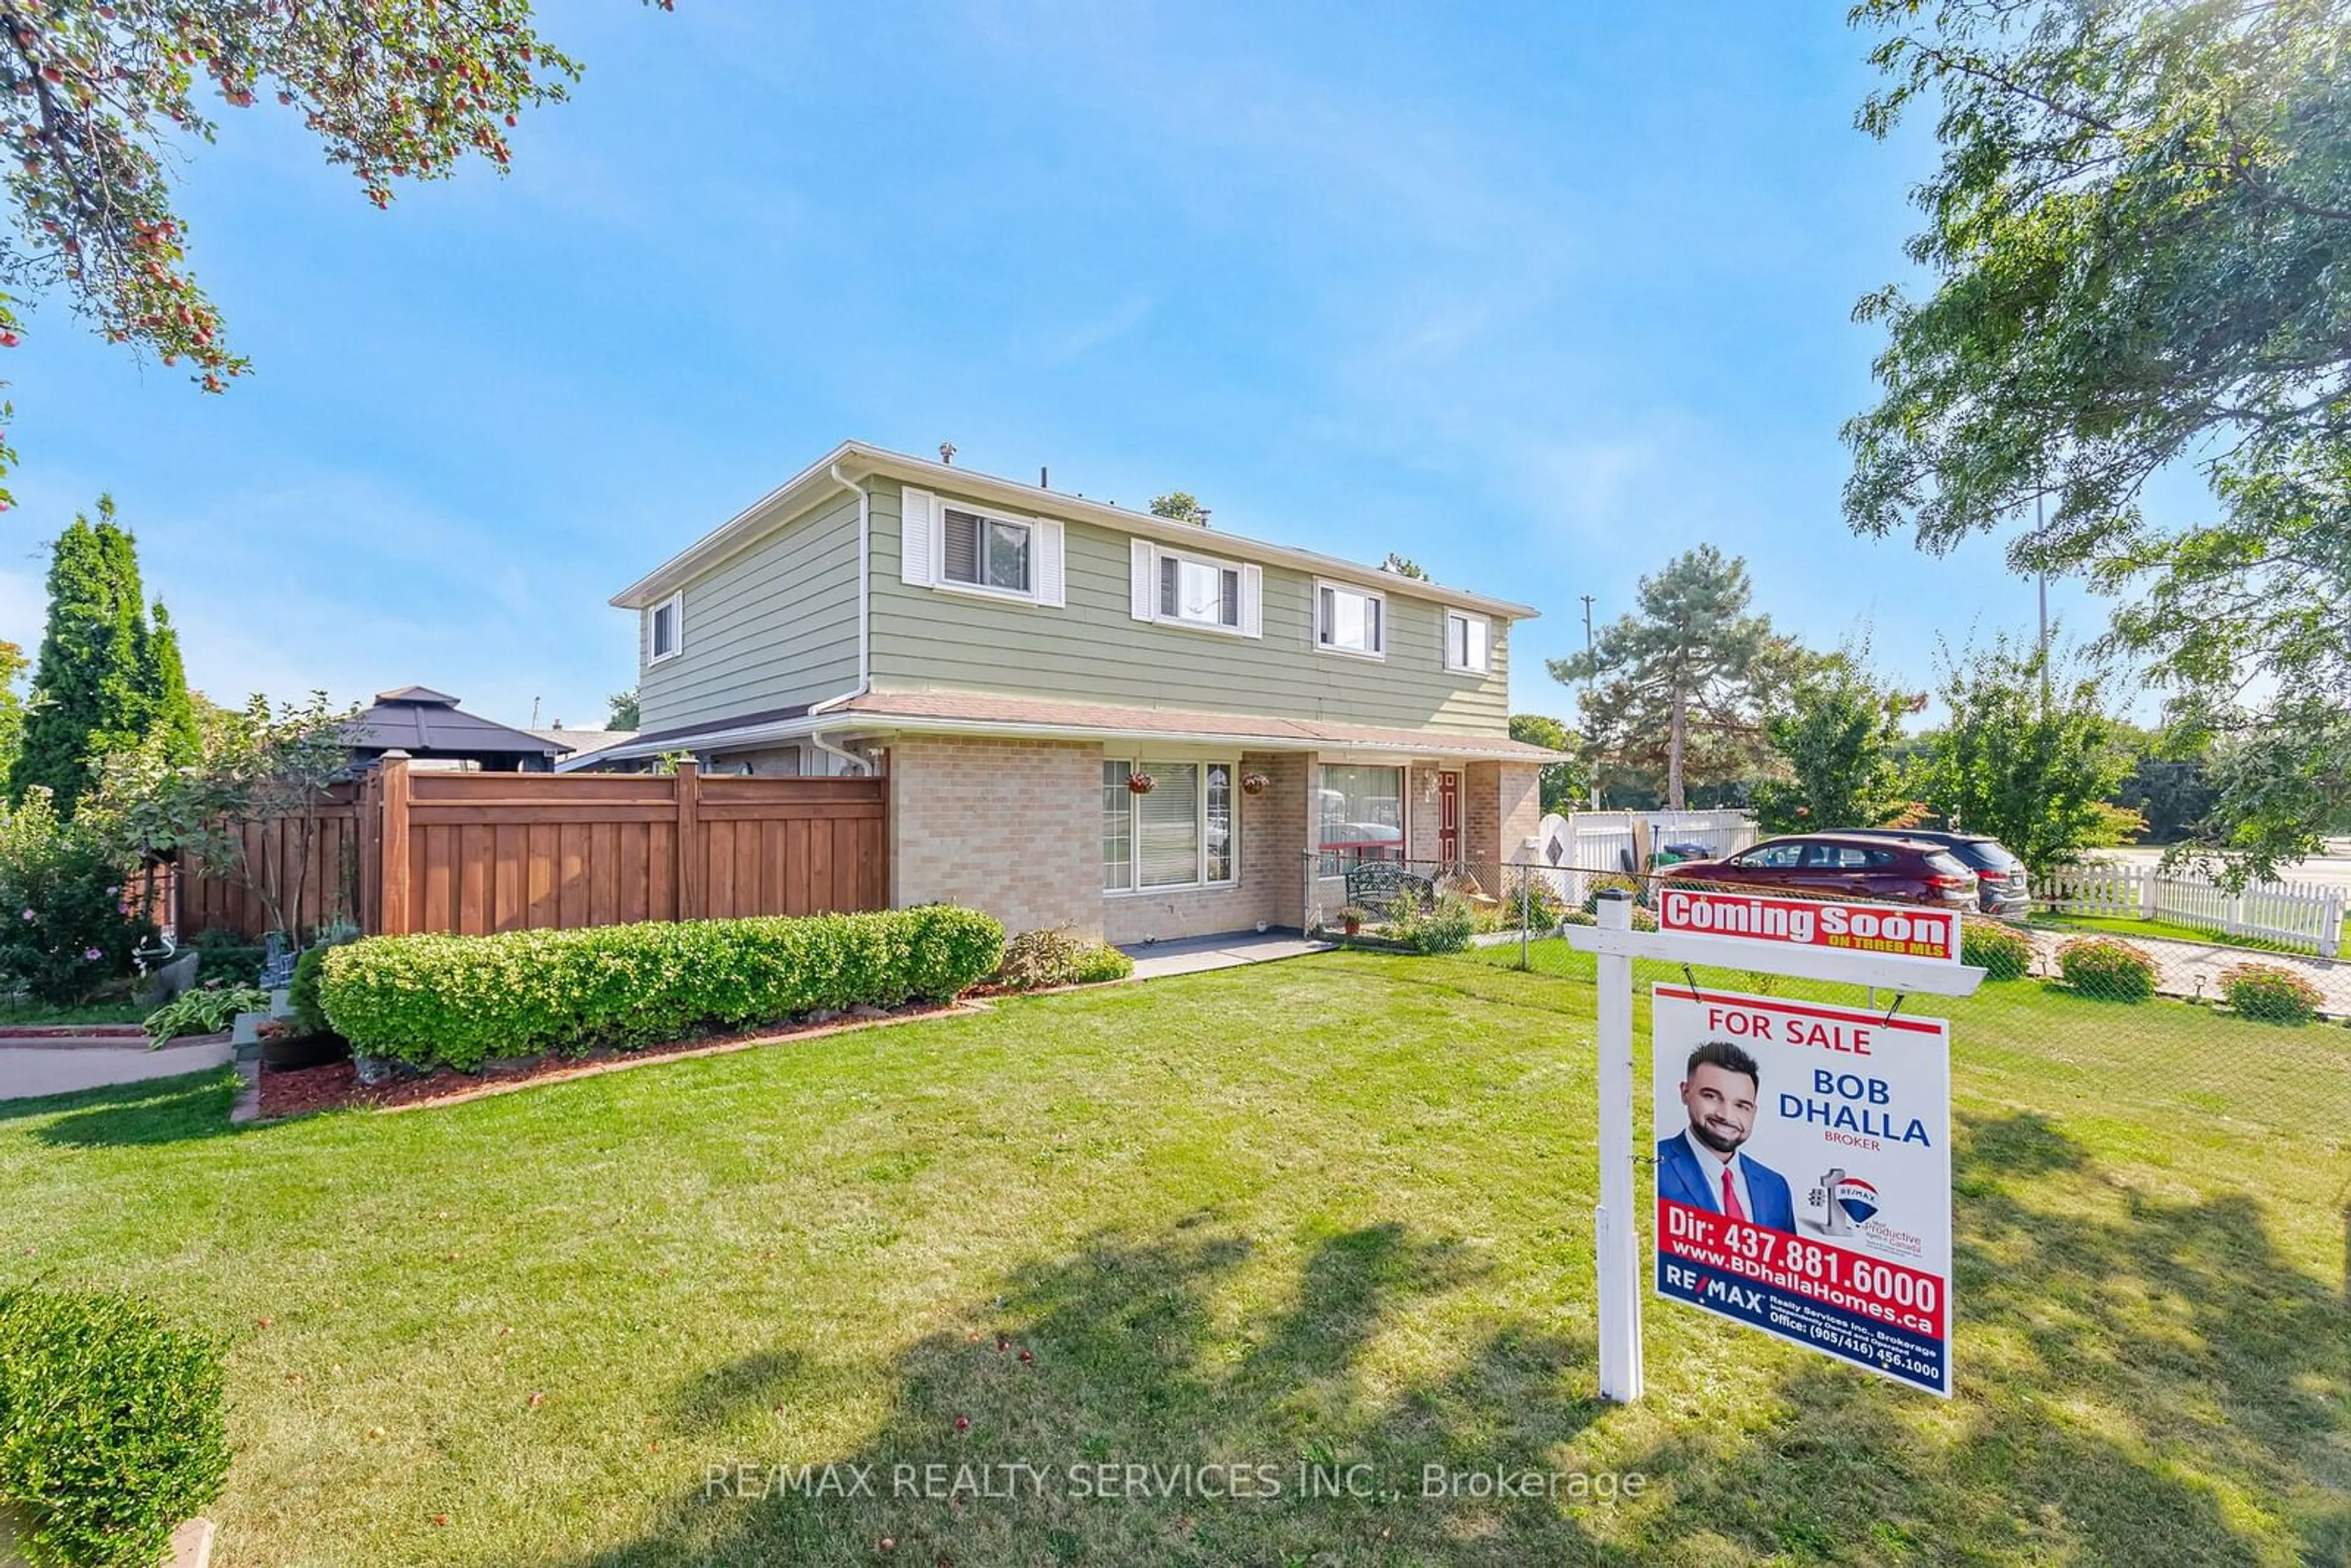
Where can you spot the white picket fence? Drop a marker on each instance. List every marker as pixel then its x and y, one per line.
pixel 1589 844
pixel 2300 914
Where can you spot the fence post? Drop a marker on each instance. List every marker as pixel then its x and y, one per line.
pixel 686 786
pixel 2330 923
pixel 392 876
pixel 2147 893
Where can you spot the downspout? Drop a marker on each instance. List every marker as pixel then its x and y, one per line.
pixel 864 616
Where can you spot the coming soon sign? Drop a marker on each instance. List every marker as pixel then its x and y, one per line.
pixel 1887 930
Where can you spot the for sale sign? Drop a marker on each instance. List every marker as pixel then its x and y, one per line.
pixel 1804 1175
pixel 1889 930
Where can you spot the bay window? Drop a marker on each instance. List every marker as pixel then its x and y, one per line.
pixel 1178 833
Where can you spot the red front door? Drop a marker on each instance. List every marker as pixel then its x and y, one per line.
pixel 1448 818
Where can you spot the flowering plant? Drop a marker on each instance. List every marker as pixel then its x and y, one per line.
pixel 70 933
pixel 1254 783
pixel 1141 783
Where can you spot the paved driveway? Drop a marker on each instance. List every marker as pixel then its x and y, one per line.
pixel 29 1069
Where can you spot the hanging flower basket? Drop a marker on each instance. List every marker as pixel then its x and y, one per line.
pixel 1141 783
pixel 1254 783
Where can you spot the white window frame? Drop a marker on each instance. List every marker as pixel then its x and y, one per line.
pixel 1138 762
pixel 1468 618
pixel 1241 572
pixel 1314 620
pixel 1029 525
pixel 675 605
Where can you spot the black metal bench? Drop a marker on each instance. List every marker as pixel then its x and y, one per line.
pixel 1374 887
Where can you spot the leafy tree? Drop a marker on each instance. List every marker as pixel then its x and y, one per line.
pixel 2137 227
pixel 2028 763
pixel 1565 786
pixel 261 766
pixel 1836 732
pixel 13 664
pixel 91 691
pixel 102 98
pixel 1678 682
pixel 1404 566
pixel 171 713
pixel 1180 507
pixel 621 710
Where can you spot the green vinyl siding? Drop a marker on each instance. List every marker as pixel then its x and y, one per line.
pixel 1094 650
pixel 774 627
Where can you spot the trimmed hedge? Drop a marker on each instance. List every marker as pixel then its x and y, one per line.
pixel 2108 968
pixel 2002 952
pixel 2270 994
pixel 112 1426
pixel 454 1001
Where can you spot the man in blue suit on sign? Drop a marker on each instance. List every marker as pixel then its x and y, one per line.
pixel 1701 1165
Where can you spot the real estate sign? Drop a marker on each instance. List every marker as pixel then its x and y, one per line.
pixel 1804 1174
pixel 1885 930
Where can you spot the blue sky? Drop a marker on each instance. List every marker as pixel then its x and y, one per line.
pixel 1538 297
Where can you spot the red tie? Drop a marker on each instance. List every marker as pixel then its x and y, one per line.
pixel 1730 1196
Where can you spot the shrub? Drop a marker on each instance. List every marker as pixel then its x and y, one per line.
pixel 1036 959
pixel 222 955
pixel 1608 881
pixel 1446 928
pixel 2002 952
pixel 111 1428
pixel 2269 993
pixel 2108 967
pixel 63 933
pixel 302 996
pixel 207 1009
pixel 1531 895
pixel 454 1001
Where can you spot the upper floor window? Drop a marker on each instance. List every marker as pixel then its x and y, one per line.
pixel 1468 643
pixel 1350 620
pixel 1178 588
pixel 962 546
pixel 985 552
pixel 668 622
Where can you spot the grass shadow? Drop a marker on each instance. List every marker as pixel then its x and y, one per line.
pixel 180 1109
pixel 1117 1355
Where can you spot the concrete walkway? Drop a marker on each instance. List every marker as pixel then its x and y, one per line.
pixel 29 1069
pixel 1192 955
pixel 2193 968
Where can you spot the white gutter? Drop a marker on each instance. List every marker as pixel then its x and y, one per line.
pixel 864 622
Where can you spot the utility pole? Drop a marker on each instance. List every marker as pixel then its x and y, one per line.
pixel 1591 663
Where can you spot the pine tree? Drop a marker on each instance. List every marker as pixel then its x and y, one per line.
pixel 170 714
pixel 90 691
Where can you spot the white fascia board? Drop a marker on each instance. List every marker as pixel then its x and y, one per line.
pixel 1940 979
pixel 862 459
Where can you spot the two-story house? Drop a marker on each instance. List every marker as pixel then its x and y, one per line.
pixel 1090 717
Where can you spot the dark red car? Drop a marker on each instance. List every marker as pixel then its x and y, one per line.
pixel 1842 865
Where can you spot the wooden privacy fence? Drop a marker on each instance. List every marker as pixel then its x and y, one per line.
pixel 421 850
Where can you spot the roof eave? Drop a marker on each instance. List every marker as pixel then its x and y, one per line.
pixel 739 532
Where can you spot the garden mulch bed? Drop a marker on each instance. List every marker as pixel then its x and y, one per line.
pixel 336 1086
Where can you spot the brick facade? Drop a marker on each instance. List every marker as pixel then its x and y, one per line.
pixel 1501 807
pixel 1012 827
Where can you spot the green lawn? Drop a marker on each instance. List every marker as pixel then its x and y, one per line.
pixel 1337 1209
pixel 121 1010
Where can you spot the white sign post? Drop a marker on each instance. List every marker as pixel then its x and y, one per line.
pixel 1896 947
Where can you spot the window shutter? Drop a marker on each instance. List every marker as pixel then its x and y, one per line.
pixel 915 514
pixel 1142 583
pixel 1253 601
pixel 1051 587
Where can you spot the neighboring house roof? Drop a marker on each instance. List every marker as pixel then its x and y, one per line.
pixel 582 742
pixel 858 460
pixel 426 722
pixel 977 712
